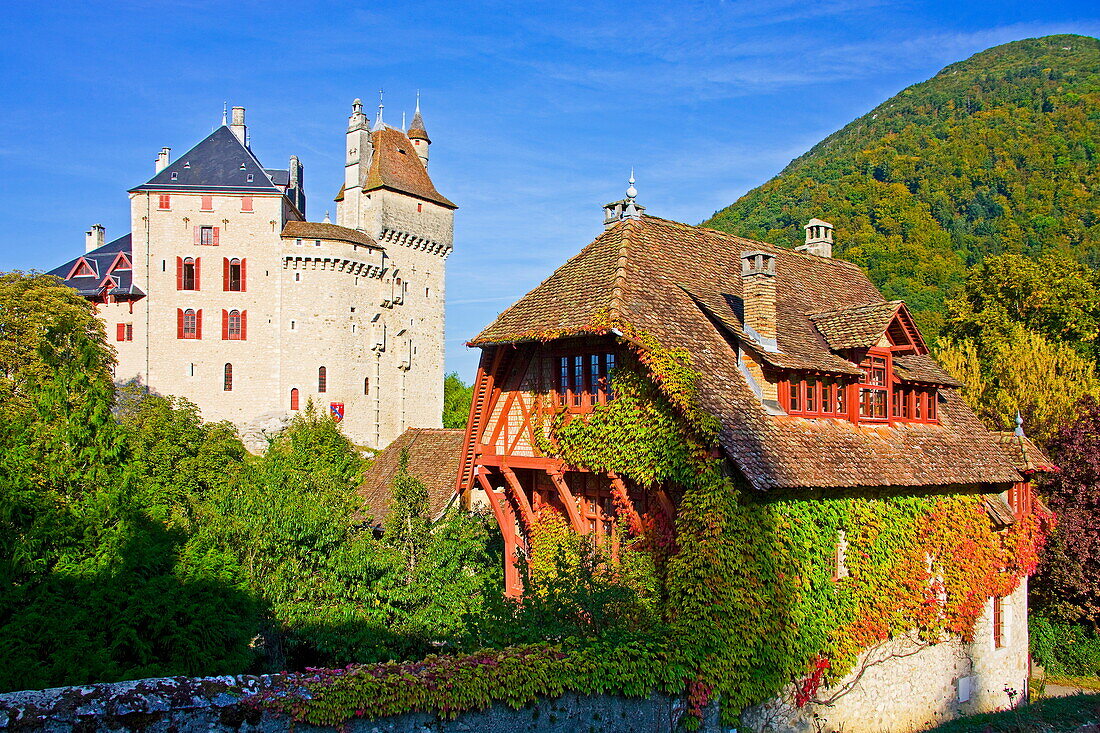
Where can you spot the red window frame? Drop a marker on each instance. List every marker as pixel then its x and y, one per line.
pixel 164 202
pixel 124 332
pixel 584 378
pixel 1020 499
pixel 998 622
pixel 233 275
pixel 234 325
pixel 227 378
pixel 814 395
pixel 188 271
pixel 915 404
pixel 189 323
pixel 873 389
pixel 294 399
pixel 322 379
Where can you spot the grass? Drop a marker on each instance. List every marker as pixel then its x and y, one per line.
pixel 1087 683
pixel 1050 715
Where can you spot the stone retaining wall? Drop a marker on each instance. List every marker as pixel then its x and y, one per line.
pixel 191 705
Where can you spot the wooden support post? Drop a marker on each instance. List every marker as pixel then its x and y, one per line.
pixel 506 520
pixel 521 498
pixel 666 505
pixel 570 503
pixel 624 504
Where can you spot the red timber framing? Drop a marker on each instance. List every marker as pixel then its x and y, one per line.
pixel 518 388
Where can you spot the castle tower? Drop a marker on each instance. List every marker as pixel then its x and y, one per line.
pixel 418 135
pixel 356 163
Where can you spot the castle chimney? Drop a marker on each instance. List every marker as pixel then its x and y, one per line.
pixel 93 238
pixel 819 239
pixel 238 127
pixel 758 296
pixel 163 158
pixel 627 208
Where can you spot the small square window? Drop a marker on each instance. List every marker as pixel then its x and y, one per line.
pixel 175 176
pixel 249 178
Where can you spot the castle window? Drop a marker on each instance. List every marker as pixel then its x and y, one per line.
pixel 187 273
pixel 165 202
pixel 124 332
pixel 207 202
pixel 206 236
pixel 294 399
pixel 298 242
pixel 322 379
pixel 246 203
pixel 366 385
pixel 227 378
pixel 234 325
pixel 233 275
pixel 420 207
pixel 188 323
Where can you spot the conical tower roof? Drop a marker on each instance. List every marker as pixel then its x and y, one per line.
pixel 416 129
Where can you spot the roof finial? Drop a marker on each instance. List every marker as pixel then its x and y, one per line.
pixel 631 192
pixel 225 112
pixel 417 102
pixel 403 119
pixel 327 220
pixel 1019 425
pixel 378 124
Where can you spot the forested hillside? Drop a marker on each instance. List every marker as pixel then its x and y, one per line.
pixel 994 154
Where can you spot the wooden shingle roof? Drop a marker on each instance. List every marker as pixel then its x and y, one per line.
pixel 682 285
pixel 321 230
pixel 396 166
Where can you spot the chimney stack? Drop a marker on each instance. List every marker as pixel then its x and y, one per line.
pixel 758 297
pixel 238 127
pixel 93 238
pixel 819 239
pixel 163 158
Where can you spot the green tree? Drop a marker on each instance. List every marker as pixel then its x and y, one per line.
pixel 457 396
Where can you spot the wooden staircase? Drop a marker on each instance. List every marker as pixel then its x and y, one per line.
pixel 489 371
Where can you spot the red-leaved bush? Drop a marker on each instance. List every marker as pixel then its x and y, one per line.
pixel 1067 587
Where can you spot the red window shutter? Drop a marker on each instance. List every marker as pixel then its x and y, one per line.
pixel 225 274
pixel 197 261
pixel 179 273
pixel 216 231
pixel 242 275
pixel 244 325
pixel 120 332
pixel 198 236
pixel 179 323
pixel 198 313
pixel 225 325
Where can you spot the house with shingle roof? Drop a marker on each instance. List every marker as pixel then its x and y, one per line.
pixel 819 386
pixel 224 293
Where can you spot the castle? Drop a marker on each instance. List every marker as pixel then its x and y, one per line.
pixel 225 294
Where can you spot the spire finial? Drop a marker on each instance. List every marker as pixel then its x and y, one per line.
pixel 1019 425
pixel 403 120
pixel 225 113
pixel 380 105
pixel 417 102
pixel 327 220
pixel 631 192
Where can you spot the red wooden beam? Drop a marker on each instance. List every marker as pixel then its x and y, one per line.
pixel 624 504
pixel 521 497
pixel 507 523
pixel 570 503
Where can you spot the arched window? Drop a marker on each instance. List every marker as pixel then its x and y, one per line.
pixel 322 379
pixel 234 324
pixel 294 399
pixel 190 324
pixel 234 275
pixel 227 379
pixel 366 385
pixel 189 275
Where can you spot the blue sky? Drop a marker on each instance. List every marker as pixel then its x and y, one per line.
pixel 536 111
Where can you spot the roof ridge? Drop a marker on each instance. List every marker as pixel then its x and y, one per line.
pixel 618 283
pixel 849 309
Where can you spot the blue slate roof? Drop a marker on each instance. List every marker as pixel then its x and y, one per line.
pixel 100 279
pixel 218 163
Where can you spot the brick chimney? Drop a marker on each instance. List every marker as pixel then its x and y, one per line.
pixel 819 239
pixel 93 238
pixel 758 297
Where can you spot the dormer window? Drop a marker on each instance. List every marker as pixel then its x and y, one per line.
pixel 814 395
pixel 584 380
pixel 175 175
pixel 874 389
pixel 249 178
